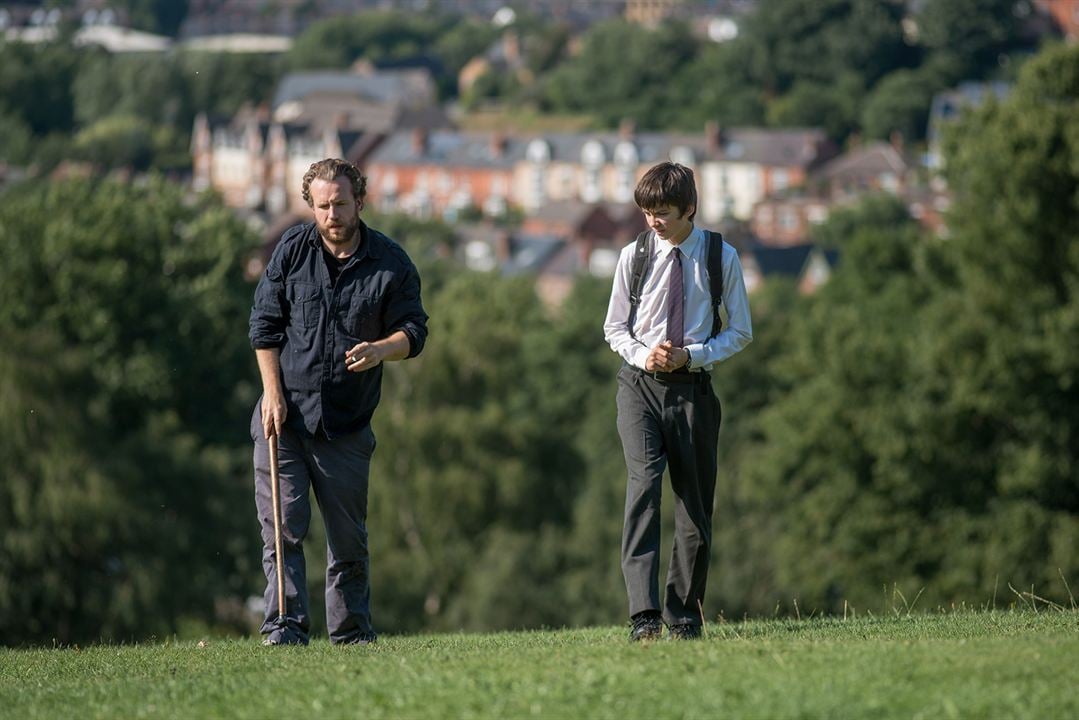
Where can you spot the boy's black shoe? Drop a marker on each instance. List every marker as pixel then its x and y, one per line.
pixel 647 625
pixel 685 631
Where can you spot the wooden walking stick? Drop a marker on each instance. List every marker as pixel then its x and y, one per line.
pixel 275 487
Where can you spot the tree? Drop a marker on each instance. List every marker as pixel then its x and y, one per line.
pixel 832 106
pixel 1013 167
pixel 466 446
pixel 717 87
pixel 220 83
pixel 623 71
pixel 788 41
pixel 924 426
pixel 971 34
pixel 899 103
pixel 875 214
pixel 830 477
pixel 117 141
pixel 126 376
pixel 157 16
pixel 150 89
pixel 15 139
pixel 35 84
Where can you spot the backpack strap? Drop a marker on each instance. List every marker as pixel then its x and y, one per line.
pixel 715 278
pixel 642 258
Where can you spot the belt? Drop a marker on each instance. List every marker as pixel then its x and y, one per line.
pixel 679 377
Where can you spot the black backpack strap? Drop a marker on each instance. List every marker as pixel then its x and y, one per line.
pixel 642 257
pixel 715 278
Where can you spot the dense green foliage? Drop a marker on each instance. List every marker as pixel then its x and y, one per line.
pixel 845 65
pixel 124 384
pixel 927 429
pixel 444 43
pixel 59 102
pixel 1000 664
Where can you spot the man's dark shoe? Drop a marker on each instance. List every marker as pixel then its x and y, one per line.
pixel 362 639
pixel 284 636
pixel 647 625
pixel 685 631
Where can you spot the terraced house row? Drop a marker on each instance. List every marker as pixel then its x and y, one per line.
pixel 441 172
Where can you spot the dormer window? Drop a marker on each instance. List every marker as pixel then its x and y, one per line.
pixel 625 159
pixel 625 153
pixel 592 154
pixel 538 152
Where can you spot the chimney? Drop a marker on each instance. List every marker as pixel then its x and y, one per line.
pixel 503 247
pixel 419 141
pixel 712 138
pixel 627 128
pixel 497 145
pixel 511 48
pixel 896 138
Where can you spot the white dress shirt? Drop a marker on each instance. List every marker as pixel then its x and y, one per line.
pixel 650 325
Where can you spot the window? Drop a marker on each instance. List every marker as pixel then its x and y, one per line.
pixel 788 219
pixel 538 152
pixel 592 154
pixel 625 160
pixel 817 214
pixel 593 157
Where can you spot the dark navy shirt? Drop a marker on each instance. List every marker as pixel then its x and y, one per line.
pixel 314 321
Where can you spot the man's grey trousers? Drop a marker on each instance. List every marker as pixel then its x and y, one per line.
pixel 675 423
pixel 337 471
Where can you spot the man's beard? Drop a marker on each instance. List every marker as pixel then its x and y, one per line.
pixel 341 234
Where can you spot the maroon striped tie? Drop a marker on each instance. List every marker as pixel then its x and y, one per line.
pixel 675 314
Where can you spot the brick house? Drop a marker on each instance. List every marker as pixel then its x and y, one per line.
pixel 786 218
pixel 741 166
pixel 443 172
pixel 259 165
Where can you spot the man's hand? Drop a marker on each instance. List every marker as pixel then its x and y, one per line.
pixel 364 357
pixel 665 357
pixel 274 411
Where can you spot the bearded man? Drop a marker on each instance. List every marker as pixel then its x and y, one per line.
pixel 337 300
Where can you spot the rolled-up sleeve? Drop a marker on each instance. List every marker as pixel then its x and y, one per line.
pixel 404 311
pixel 269 314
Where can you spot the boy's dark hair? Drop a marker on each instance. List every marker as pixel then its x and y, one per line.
pixel 330 169
pixel 667 184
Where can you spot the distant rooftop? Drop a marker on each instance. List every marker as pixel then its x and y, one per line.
pixel 111 37
pixel 239 43
pixel 465 149
pixel 382 86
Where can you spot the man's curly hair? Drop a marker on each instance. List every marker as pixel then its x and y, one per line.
pixel 331 169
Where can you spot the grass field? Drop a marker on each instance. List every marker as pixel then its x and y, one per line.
pixel 1016 664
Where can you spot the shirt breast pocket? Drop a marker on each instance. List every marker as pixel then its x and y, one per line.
pixel 365 317
pixel 305 304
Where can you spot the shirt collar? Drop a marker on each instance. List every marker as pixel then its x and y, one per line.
pixel 369 243
pixel 687 246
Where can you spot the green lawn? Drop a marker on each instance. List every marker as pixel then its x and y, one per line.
pixel 997 664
